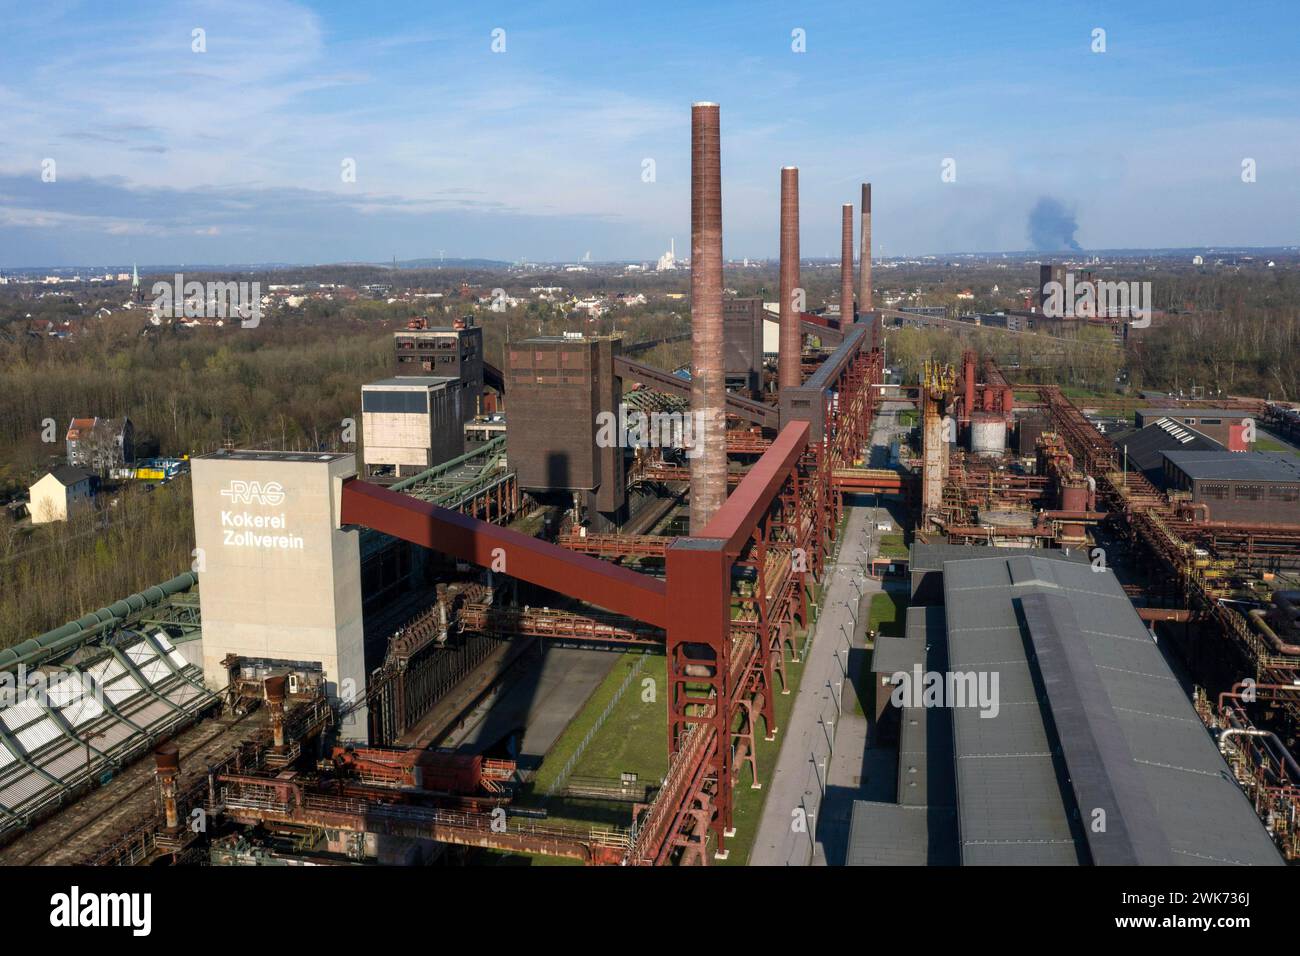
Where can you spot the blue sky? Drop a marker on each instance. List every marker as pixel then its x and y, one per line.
pixel 235 154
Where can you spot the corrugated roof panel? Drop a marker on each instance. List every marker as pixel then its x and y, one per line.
pixel 150 715
pixel 122 689
pixel 113 734
pixel 22 789
pixel 82 711
pixel 6 758
pixel 37 735
pixel 184 693
pixel 156 671
pixel 141 652
pixel 68 763
pixel 64 690
pixel 21 713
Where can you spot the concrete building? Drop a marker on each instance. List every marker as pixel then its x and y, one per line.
pixel 1225 426
pixel 279 579
pixel 60 493
pixel 100 444
pixel 410 423
pixel 1243 487
pixel 1143 449
pixel 455 353
pixel 743 333
pixel 558 385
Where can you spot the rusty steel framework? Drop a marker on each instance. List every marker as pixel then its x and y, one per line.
pixel 726 645
pixel 1196 577
pixel 723 673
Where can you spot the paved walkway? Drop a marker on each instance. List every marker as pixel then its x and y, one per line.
pixel 825 762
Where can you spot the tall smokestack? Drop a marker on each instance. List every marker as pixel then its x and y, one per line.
pixel 790 342
pixel 708 385
pixel 864 261
pixel 846 264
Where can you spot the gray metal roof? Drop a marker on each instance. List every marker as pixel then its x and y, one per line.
pixel 1235 465
pixel 410 381
pixel 1144 446
pixel 69 475
pixel 925 764
pixel 247 454
pixel 887 834
pixel 1061 725
pixel 1197 413
pixel 893 654
pixel 931 556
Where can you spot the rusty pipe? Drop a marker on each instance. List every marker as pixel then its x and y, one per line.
pixel 275 696
pixel 1237 688
pixel 1279 645
pixel 789 374
pixel 708 382
pixel 167 768
pixel 1176 615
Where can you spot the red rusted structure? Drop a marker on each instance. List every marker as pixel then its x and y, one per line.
pixel 722 673
pixel 725 651
pixel 539 562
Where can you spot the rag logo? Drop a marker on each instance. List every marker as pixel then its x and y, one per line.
pixel 73 909
pixel 254 492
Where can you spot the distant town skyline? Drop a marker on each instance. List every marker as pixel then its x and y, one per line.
pixel 329 132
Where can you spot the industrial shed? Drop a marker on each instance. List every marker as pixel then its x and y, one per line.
pixel 1241 487
pixel 1089 717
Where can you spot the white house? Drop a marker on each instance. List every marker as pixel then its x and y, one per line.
pixel 59 493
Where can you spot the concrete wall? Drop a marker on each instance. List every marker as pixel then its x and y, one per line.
pixel 50 500
pixel 414 441
pixel 278 580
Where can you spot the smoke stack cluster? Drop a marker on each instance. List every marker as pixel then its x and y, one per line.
pixel 708 384
pixel 864 262
pixel 846 264
pixel 789 346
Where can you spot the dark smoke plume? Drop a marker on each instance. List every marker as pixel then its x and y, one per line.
pixel 1051 226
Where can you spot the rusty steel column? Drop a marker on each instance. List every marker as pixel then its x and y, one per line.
pixel 275 694
pixel 846 264
pixel 167 768
pixel 864 261
pixel 790 342
pixel 708 382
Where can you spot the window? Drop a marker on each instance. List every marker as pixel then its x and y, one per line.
pixel 1248 493
pixel 1284 493
pixel 402 402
